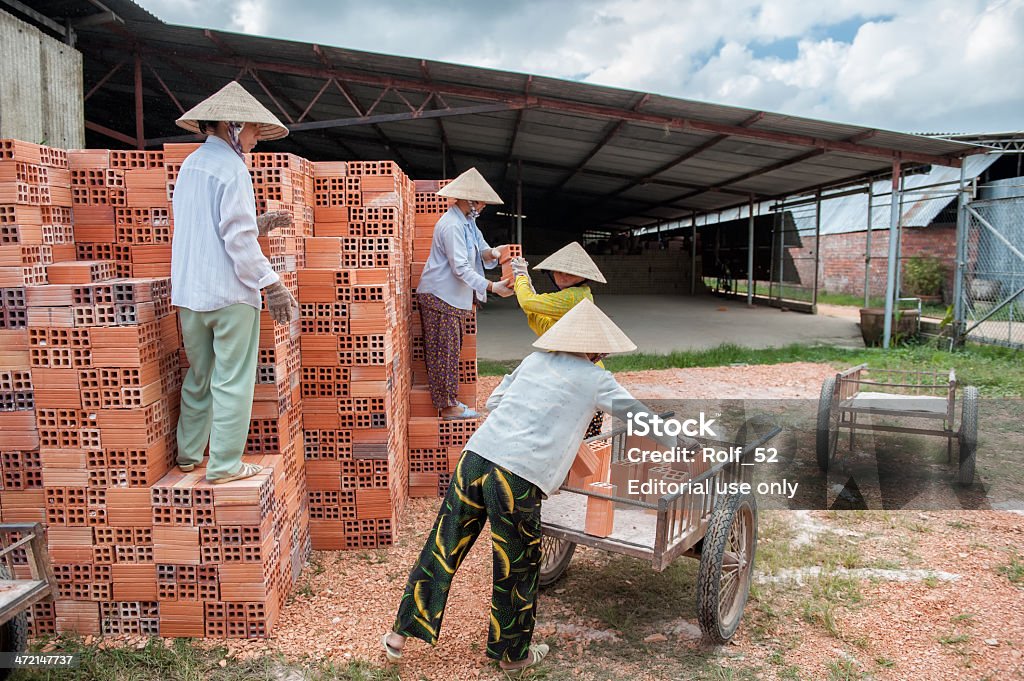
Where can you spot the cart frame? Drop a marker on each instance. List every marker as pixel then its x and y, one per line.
pixel 25 592
pixel 682 524
pixel 837 411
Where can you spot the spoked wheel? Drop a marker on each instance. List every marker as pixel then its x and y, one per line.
pixel 726 566
pixel 968 435
pixel 827 434
pixel 555 555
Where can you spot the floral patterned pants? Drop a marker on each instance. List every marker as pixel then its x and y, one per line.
pixel 480 491
pixel 442 343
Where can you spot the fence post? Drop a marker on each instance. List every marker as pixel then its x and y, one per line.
pixel 959 313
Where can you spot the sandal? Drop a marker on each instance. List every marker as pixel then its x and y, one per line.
pixel 246 471
pixel 466 413
pixel 393 654
pixel 186 467
pixel 536 653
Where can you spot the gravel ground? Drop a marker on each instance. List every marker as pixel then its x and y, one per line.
pixel 966 628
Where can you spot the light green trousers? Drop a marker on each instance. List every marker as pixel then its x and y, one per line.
pixel 216 395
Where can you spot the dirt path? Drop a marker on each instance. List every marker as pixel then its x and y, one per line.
pixel 840 595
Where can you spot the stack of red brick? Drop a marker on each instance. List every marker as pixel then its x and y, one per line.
pixel 356 305
pixel 89 396
pixel 90 371
pixel 435 445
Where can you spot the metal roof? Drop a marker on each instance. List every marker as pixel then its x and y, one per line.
pixel 589 156
pixel 925 197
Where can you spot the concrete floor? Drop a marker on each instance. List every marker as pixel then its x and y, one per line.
pixel 661 324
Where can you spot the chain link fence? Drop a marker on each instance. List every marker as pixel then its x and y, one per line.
pixel 992 293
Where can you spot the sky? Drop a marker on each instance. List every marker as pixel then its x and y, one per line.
pixel 909 65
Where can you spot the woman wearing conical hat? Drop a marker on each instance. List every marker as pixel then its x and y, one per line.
pixel 519 455
pixel 217 273
pixel 571 270
pixel 452 283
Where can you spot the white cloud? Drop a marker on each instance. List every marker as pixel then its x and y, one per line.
pixel 921 65
pixel 251 16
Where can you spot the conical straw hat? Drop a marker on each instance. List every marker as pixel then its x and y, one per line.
pixel 470 186
pixel 232 103
pixel 572 259
pixel 586 329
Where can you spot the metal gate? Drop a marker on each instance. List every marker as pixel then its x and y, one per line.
pixel 991 256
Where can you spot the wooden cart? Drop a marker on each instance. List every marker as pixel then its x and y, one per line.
pixel 23 550
pixel 931 395
pixel 719 530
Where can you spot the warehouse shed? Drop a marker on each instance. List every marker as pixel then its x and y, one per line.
pixel 572 160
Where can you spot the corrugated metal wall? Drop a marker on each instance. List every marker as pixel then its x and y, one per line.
pixel 40 87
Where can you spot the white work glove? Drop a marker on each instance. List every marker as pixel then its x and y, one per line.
pixel 272 220
pixel 281 303
pixel 519 266
pixel 502 288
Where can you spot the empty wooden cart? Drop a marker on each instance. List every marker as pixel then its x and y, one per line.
pixel 851 396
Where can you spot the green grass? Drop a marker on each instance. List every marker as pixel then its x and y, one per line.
pixel 994 370
pixel 184 661
pixel 1014 571
pixel 954 639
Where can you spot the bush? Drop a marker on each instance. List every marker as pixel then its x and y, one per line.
pixel 923 276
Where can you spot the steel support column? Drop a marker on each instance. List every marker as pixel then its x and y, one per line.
pixel 140 125
pixel 519 202
pixel 817 250
pixel 867 245
pixel 890 279
pixel 693 254
pixel 750 252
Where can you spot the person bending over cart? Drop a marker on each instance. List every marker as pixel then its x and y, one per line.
pixel 571 270
pixel 521 453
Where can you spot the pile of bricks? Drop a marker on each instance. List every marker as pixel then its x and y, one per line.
pixel 435 445
pixel 90 375
pixel 91 363
pixel 355 301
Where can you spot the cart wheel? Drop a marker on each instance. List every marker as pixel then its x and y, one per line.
pixel 968 435
pixel 726 566
pixel 827 435
pixel 555 555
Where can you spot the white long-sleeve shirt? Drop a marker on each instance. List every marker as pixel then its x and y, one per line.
pixel 455 268
pixel 215 258
pixel 540 413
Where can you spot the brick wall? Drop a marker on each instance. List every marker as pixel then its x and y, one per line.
pixel 652 272
pixel 841 269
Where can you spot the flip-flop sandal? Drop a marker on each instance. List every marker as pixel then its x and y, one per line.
pixel 466 413
pixel 537 652
pixel 186 467
pixel 393 654
pixel 246 471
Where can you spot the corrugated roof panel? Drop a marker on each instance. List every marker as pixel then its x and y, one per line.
pixel 554 140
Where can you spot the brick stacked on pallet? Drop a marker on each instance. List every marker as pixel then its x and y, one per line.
pixel 435 445
pixel 355 308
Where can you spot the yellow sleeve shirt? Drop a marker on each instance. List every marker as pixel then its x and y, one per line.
pixel 544 309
